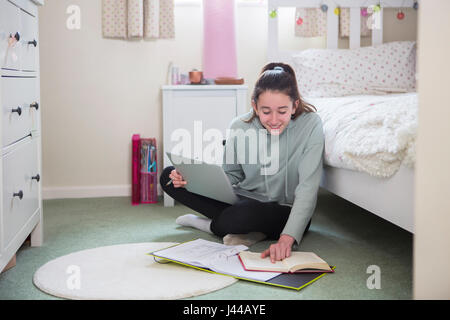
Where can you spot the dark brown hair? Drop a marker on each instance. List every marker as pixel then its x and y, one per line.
pixel 281 79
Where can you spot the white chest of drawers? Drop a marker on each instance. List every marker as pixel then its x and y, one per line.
pixel 20 133
pixel 192 110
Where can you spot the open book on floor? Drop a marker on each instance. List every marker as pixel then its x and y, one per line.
pixel 297 262
pixel 218 258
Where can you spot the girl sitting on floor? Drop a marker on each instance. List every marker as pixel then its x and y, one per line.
pixel 279 111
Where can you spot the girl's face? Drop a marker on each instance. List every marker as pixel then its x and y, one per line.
pixel 274 110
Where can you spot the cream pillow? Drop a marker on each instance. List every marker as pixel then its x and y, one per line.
pixel 382 69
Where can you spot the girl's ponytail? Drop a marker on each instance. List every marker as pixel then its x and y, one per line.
pixel 285 67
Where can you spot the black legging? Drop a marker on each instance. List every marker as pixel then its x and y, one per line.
pixel 246 215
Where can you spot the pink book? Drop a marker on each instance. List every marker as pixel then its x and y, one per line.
pixel 135 172
pixel 149 171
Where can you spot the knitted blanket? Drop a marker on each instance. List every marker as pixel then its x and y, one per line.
pixel 374 134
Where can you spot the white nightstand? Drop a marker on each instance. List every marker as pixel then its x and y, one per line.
pixel 191 110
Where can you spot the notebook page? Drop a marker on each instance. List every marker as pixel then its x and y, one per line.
pixel 198 252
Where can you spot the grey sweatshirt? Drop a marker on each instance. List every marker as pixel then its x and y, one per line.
pixel 287 169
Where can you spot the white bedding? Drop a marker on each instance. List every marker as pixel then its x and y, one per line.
pixel 371 133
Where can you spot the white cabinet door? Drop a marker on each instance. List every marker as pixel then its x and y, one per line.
pixel 20 188
pixel 199 119
pixel 19 112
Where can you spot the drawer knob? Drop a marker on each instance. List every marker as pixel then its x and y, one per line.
pixel 37 177
pixel 34 105
pixel 18 194
pixel 18 110
pixel 34 42
pixel 17 36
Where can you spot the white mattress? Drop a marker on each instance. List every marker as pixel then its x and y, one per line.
pixel 370 133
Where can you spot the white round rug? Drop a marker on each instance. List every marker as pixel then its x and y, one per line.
pixel 125 272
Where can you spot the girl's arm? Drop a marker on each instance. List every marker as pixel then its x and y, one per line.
pixel 310 172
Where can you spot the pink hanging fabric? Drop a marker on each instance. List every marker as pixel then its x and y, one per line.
pixel 219 39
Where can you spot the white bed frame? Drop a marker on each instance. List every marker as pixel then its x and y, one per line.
pixel 390 198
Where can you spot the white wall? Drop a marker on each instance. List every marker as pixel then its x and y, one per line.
pixel 432 206
pixel 95 92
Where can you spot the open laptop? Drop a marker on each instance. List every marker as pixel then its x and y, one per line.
pixel 210 180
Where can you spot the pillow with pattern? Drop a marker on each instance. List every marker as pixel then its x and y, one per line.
pixel 382 69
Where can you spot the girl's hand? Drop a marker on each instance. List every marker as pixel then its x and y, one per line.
pixel 280 250
pixel 177 179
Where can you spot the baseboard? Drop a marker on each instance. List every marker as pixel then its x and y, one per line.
pixel 88 192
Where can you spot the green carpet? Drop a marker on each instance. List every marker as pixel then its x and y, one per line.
pixel 342 234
